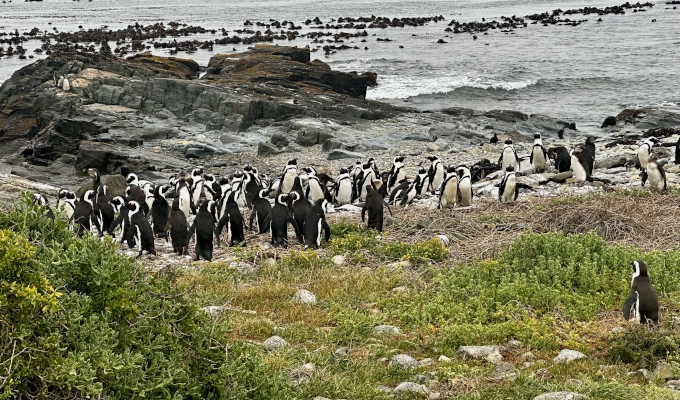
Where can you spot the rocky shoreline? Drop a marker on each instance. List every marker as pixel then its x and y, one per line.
pixel 156 116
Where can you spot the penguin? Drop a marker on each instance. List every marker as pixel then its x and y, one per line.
pixel 365 178
pixel 288 176
pixel 160 210
pixel 374 205
pixel 464 186
pixel 184 196
pixel 507 192
pixel 397 174
pixel 134 192
pixel 177 228
pixel 84 212
pixel 279 219
pixel 655 174
pixel 300 208
pixel 561 157
pixel 42 202
pixel 407 195
pixel 274 186
pixel 314 223
pixel 140 232
pixel 395 196
pixel 104 210
pixel 149 197
pixel 66 203
pixel 123 218
pixel 436 173
pixel 642 300
pixel 494 139
pixel 196 187
pixel 60 82
pixel 509 156
pixel 252 184
pixel 96 179
pixel 261 209
pixel 423 182
pixel 677 152
pixel 358 167
pixel 213 190
pixel 579 165
pixel 342 191
pixel 234 219
pixel 448 193
pixel 315 189
pixel 66 86
pixel 588 152
pixel 538 155
pixel 225 185
pixel 645 150
pixel 203 228
pixel 560 133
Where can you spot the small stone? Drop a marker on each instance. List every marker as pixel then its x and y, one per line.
pixel 302 373
pixel 400 289
pixel 543 374
pixel 616 330
pixel 342 353
pixel 274 343
pixel 513 345
pixel 303 296
pixel 339 260
pixel 269 263
pixel 494 358
pixel 243 268
pixel 641 373
pixel 214 311
pixel 321 398
pixel 663 371
pixel 390 220
pixel 528 356
pixel 420 378
pixel 528 364
pixel 426 361
pixel 477 352
pixel 503 370
pixel 386 330
pixel 567 355
pixel 560 396
pixel 410 387
pixel 573 383
pixel 383 388
pixel 404 361
pixel 443 358
pixel 434 396
pixel 400 265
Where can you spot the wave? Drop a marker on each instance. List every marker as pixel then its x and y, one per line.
pixel 401 87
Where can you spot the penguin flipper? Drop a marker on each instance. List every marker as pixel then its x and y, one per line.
pixel 221 224
pixel 252 217
pixel 291 221
pixel 363 213
pixel 326 228
pixel 192 230
pixel 628 305
pixel 388 208
pixel 130 237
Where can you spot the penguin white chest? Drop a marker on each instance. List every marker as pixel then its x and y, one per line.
pixel 344 195
pixel 465 192
pixel 509 159
pixel 578 169
pixel 449 193
pixel 508 194
pixel 438 178
pixel 538 157
pixel 288 179
pixel 655 178
pixel 643 156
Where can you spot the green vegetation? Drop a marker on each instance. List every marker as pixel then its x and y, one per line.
pixel 81 320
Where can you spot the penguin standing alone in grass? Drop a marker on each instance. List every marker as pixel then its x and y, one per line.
pixel 538 155
pixel 314 223
pixel 507 192
pixel 642 301
pixel 654 177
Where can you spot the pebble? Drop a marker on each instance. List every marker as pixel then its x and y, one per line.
pixel 400 289
pixel 673 384
pixel 386 330
pixel 302 373
pixel 477 352
pixel 560 396
pixel 567 355
pixel 425 362
pixel 404 361
pixel 443 358
pixel 641 373
pixel 543 374
pixel 303 296
pixel 342 352
pixel 339 260
pixel 410 387
pixel 274 343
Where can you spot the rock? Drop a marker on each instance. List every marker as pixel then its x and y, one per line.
pixel 421 379
pixel 340 154
pixel 303 296
pixel 302 373
pixel 274 343
pixel 339 260
pixel 544 374
pixel 562 177
pixel 673 384
pixel 477 352
pixel 573 383
pixel 214 311
pixel 399 265
pixel 494 358
pixel 434 396
pixel 425 362
pixel 611 162
pixel 443 358
pixel 243 268
pixel 400 289
pixel 507 115
pixel 279 140
pixel 567 355
pixel 115 183
pixel 404 361
pixel 384 389
pixel 560 396
pixel 528 356
pixel 335 143
pixel 609 121
pixel 663 371
pixel 410 387
pixel 265 149
pixel 194 152
pixel 342 353
pixel 438 145
pixel 293 148
pixel 641 373
pixel 503 370
pixel 386 330
pixel 269 263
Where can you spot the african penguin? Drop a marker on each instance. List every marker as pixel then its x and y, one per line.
pixel 233 219
pixel 409 194
pixel 41 201
pixel 397 174
pixel 579 165
pixel 509 156
pixel 464 186
pixel 252 184
pixel 589 154
pixel 654 177
pixel 288 176
pixel 104 210
pixel 645 150
pixel 448 193
pixel 314 223
pixel 177 228
pixel 561 158
pixel 374 205
pixel 494 139
pixel 395 196
pixel 84 212
pixel 66 203
pixel 123 218
pixel 423 182
pixel 315 189
pixel 261 210
pixel 184 196
pixel 203 228
pixel 213 190
pixel 342 192
pixel 300 207
pixel 96 179
pixel 140 229
pixel 196 186
pixel 507 192
pixel 160 210
pixel 279 218
pixel 365 179
pixel 436 173
pixel 538 156
pixel 642 301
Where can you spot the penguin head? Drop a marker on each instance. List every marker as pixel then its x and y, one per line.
pixel 209 179
pixel 294 196
pixel 282 199
pixel 311 171
pixel 432 158
pixel 162 190
pixel 132 179
pixel 247 168
pixel 577 150
pixel 148 190
pixel 93 172
pixel 133 206
pixel 639 268
pixel 509 169
pixel 88 196
pixel 39 199
pixel 537 135
pixel 262 194
pixel 653 158
pixel 196 174
pixel 224 180
pixel 62 193
pixel 399 160
pixel 422 171
pixel 173 180
pixel 292 161
pixel 508 141
pixel 451 169
pixel 463 171
pixel 343 171
pixel 117 202
pixel 591 139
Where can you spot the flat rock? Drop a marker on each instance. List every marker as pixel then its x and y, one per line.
pixel 303 296
pixel 410 387
pixel 404 361
pixel 560 396
pixel 477 352
pixel 567 355
pixel 340 154
pixel 611 162
pixel 274 343
pixel 561 177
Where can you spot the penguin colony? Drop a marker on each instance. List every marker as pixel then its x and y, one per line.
pixel 301 198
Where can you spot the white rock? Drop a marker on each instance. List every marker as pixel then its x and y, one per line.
pixel 214 311
pixel 426 361
pixel 444 240
pixel 404 361
pixel 303 296
pixel 410 387
pixel 639 373
pixel 400 289
pixel 242 268
pixel 274 343
pixel 477 352
pixel 339 260
pixel 560 396
pixel 386 330
pixel 494 358
pixel 673 384
pixel 302 372
pixel 443 358
pixel 567 355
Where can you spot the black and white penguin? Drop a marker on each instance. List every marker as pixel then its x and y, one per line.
pixel 365 178
pixel 203 228
pixel 149 192
pixel 507 191
pixel 395 196
pixel 645 150
pixel 140 232
pixel 342 192
pixel 196 188
pixel 66 85
pixel 279 218
pixel 561 158
pixel 238 182
pixel 96 178
pixel 374 205
pixel 579 165
pixel 423 182
pixel 437 173
pixel 122 220
pixel 251 184
pixel 134 192
pixel 66 203
pixel 448 193
pixel 103 208
pixel 316 190
pixel 274 186
pixel 538 155
pixel 233 219
pixel 464 186
pixel 290 172
pixel 509 156
pixel 300 207
pixel 654 177
pixel 407 196
pixel 177 229
pixel 314 223
pixel 225 185
pixel 184 196
pixel 160 210
pixel 60 81
pixel 83 215
pixel 42 202
pixel 642 301
pixel 589 154
pixel 213 190
pixel 261 210
pixel 397 174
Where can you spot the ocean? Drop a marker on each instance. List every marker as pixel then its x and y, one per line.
pixel 577 73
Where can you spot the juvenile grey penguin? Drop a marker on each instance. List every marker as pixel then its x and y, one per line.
pixel 507 192
pixel 509 156
pixel 645 150
pixel 538 156
pixel 654 177
pixel 642 301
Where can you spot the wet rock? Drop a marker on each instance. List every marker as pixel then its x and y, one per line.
pixel 274 343
pixel 562 177
pixel 560 396
pixel 410 387
pixel 303 296
pixel 567 355
pixel 194 152
pixel 404 361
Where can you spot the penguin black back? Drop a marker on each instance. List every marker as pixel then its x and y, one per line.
pixel 160 210
pixel 589 154
pixel 84 212
pixel 314 223
pixel 104 209
pixel 232 216
pixel 300 207
pixel 203 227
pixel 374 205
pixel 561 157
pixel 642 300
pixel 177 228
pixel 260 212
pixel 280 217
pixel 140 229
